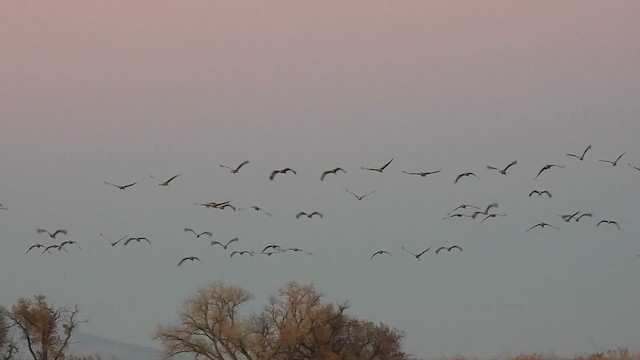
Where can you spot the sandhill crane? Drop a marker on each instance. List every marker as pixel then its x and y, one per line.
pixel 491 216
pixel 581 157
pixel 297 250
pixel 111 242
pixel 189 258
pixel 583 215
pixel 417 256
pixel 208 233
pixel 380 169
pixel 464 206
pixel 547 167
pixel 54 234
pixel 256 208
pixel 225 246
pixel 635 167
pixel 308 215
pixel 235 171
pixel 542 225
pixel 243 252
pixel 38 246
pixel 213 204
pixel 121 187
pixel 485 211
pixel 568 217
pixel 69 242
pixel 273 246
pixel 502 171
pixel 332 171
pixel 448 248
pixel 457 215
pixel 138 239
pixel 422 173
pixel 540 193
pixel 281 171
pixel 615 162
pixel 166 182
pixel 379 252
pixel 465 175
pixel 608 222
pixel 358 196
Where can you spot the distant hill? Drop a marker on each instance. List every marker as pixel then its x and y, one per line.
pixel 86 344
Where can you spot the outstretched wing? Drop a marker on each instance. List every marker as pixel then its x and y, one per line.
pixel 585 151
pixel 385 165
pixel 621 155
pixel 230 241
pixel 455 247
pixel 171 179
pixel 325 174
pixel 300 214
pixel 316 213
pixel 190 230
pixel 273 174
pixel 59 231
pixel 510 165
pixel 226 167
pixel 637 168
pixel 208 233
pixel 241 165
pixel 441 248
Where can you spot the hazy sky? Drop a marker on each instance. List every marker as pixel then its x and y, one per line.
pixel 116 91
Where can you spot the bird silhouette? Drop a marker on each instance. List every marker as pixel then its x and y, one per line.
pixel 273 246
pixel 297 250
pixel 542 225
pixel 608 222
pixel 138 239
pixel 189 258
pixel 69 242
pixel 121 187
pixel 208 233
pixel 421 173
pixel 465 175
pixel 492 216
pixel 281 171
pixel 54 234
pixel 581 157
pixel 166 182
pixel 34 246
pixel 539 193
pixel 380 169
pixel 308 215
pixel 615 162
pixel 243 252
pixel 583 215
pixel 485 211
pixel 225 206
pixel 225 246
pixel 568 217
pixel 464 206
pixel 235 171
pixel 379 252
pixel 448 248
pixel 256 208
pixel 360 197
pixel 417 256
pixel 113 243
pixel 547 167
pixel 213 204
pixel 46 250
pixel 332 171
pixel 502 171
pixel 457 215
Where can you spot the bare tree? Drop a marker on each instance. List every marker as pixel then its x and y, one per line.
pixel 8 348
pixel 295 324
pixel 44 328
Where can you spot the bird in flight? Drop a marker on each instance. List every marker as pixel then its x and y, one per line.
pixel 568 217
pixel 273 246
pixel 46 250
pixel 379 252
pixel 417 256
pixel 189 258
pixel 235 171
pixel 111 242
pixel 243 252
pixel 465 175
pixel 54 234
pixel 166 182
pixel 547 167
pixel 121 187
pixel 138 239
pixel 539 193
pixel 422 173
pixel 213 204
pixel 615 162
pixel 308 215
pixel 542 225
pixel 635 167
pixel 68 242
pixel 256 208
pixel 332 171
pixel 448 248
pixel 464 206
pixel 281 171
pixel 458 215
pixel 360 197
pixel 583 215
pixel 581 157
pixel 380 169
pixel 208 233
pixel 489 216
pixel 485 211
pixel 34 247
pixel 608 222
pixel 297 250
pixel 502 171
pixel 224 245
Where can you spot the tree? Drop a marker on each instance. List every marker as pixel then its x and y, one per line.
pixel 295 324
pixel 44 328
pixel 8 348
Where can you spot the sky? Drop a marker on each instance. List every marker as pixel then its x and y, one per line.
pixel 117 91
